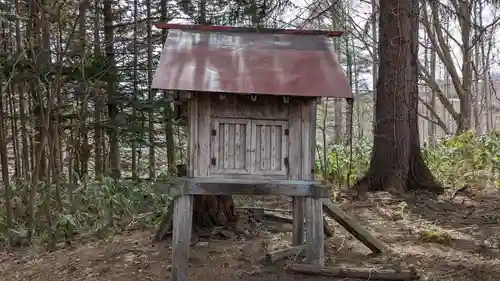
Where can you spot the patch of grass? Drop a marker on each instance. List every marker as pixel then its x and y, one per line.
pixel 437 237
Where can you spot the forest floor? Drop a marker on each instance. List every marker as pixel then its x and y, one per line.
pixel 450 238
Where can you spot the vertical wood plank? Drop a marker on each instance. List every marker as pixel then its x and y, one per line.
pixel 312 137
pixel 261 142
pixel 214 147
pixel 237 147
pixel 181 237
pixel 193 136
pixel 315 237
pixel 248 146
pixel 307 156
pixel 230 148
pixel 294 143
pixel 253 147
pixel 225 145
pixel 298 204
pixel 267 145
pixel 220 147
pixel 204 136
pixel 274 148
pixel 315 240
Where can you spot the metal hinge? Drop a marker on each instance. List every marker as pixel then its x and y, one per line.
pixel 214 132
pixel 285 161
pixel 286 132
pixel 214 161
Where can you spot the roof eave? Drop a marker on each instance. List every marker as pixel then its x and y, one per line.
pixel 218 28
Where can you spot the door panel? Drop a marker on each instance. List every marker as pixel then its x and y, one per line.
pixel 269 147
pixel 230 146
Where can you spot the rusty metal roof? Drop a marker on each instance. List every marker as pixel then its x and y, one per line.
pixel 239 61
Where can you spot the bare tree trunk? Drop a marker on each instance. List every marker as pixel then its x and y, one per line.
pixel 169 124
pixel 397 163
pixel 5 170
pixel 14 131
pixel 432 127
pixel 83 147
pixel 98 139
pixel 134 94
pixel 375 66
pixel 151 133
pixel 114 150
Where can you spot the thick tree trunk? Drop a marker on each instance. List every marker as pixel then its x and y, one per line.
pixel 397 162
pixel 208 211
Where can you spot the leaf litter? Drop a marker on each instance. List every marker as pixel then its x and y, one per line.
pixel 450 238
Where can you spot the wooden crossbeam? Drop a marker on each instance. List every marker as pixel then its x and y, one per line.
pixel 214 186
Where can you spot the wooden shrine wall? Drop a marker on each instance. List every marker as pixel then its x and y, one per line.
pixel 232 136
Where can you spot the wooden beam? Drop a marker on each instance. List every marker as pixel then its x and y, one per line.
pixel 280 254
pixel 298 220
pixel 181 237
pixel 356 273
pixel 315 238
pixel 218 186
pixel 352 226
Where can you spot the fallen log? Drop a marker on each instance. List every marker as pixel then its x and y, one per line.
pixel 358 273
pixel 280 254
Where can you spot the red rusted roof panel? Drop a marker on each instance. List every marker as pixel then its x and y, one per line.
pixel 256 63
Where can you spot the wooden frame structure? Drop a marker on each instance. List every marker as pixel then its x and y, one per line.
pixel 246 143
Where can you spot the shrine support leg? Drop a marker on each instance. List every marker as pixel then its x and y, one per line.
pixel 181 236
pixel 315 237
pixel 298 221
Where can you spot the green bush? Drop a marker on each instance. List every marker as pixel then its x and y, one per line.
pixel 97 211
pixel 455 161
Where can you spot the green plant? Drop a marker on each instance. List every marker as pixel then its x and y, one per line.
pixel 98 209
pixel 455 161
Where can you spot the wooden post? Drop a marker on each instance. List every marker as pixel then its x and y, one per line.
pixel 181 236
pixel 315 238
pixel 298 221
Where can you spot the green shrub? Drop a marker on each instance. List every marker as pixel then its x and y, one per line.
pixel 455 161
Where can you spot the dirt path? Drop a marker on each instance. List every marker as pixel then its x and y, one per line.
pixel 455 240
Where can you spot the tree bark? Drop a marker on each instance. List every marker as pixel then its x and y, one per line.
pixel 397 163
pixel 208 211
pixel 213 210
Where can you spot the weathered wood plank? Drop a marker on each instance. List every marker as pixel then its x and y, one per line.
pixel 240 106
pixel 230 146
pixel 238 159
pixel 203 139
pixel 269 147
pixel 254 189
pixel 294 143
pixel 315 238
pixel 192 166
pixel 356 273
pixel 298 220
pixel 274 148
pixel 280 254
pixel 181 237
pixel 352 226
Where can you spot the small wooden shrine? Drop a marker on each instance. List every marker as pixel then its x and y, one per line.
pixel 251 96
